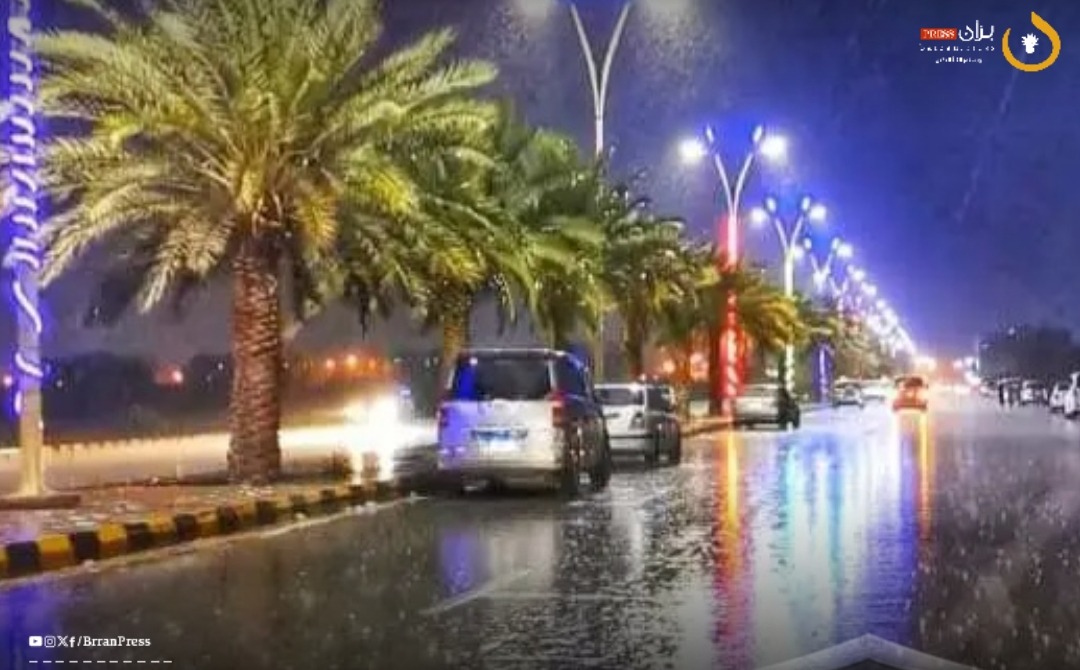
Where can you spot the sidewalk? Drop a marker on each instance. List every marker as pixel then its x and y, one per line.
pixel 112 522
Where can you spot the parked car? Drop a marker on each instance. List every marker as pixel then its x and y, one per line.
pixel 642 420
pixel 1071 406
pixel 1033 393
pixel 520 415
pixel 912 392
pixel 1057 397
pixel 766 404
pixel 848 394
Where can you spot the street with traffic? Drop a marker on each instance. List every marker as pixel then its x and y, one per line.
pixel 953 531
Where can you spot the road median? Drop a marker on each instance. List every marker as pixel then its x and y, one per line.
pixel 157 529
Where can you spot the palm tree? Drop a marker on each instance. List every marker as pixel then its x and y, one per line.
pixel 767 318
pixel 554 194
pixel 477 248
pixel 853 350
pixel 644 268
pixel 253 141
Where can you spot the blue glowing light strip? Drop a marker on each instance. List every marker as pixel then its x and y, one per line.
pixel 24 254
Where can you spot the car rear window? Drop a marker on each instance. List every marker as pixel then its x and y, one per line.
pixel 501 378
pixel 620 396
pixel 912 383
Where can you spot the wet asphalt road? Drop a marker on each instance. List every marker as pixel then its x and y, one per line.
pixel 957 534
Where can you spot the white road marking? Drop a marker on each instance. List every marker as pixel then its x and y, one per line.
pixel 483 591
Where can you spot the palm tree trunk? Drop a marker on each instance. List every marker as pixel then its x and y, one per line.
pixel 634 347
pixel 684 376
pixel 255 405
pixel 635 360
pixel 455 337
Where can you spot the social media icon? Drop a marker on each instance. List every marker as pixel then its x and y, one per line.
pixel 35 641
pixel 50 641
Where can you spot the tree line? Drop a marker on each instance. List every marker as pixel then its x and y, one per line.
pixel 264 144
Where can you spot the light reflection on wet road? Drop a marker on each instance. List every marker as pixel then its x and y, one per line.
pixel 955 533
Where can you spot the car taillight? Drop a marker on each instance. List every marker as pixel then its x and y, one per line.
pixel 638 421
pixel 558 409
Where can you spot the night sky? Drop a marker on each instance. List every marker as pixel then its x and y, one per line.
pixel 955 182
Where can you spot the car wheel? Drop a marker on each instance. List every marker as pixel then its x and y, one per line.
pixel 675 455
pixel 569 480
pixel 600 473
pixel 652 454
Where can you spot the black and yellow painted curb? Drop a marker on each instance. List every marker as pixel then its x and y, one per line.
pixel 56 552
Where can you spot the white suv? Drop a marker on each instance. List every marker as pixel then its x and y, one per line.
pixel 1057 397
pixel 1071 407
pixel 519 415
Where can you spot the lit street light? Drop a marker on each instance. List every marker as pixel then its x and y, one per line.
pixel 790 237
pixel 838 251
pixel 724 348
pixel 599 85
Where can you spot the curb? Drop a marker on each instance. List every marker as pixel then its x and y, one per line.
pixel 60 551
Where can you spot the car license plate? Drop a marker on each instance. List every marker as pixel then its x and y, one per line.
pixel 505 439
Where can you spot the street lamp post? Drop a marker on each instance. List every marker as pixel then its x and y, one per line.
pixel 599 74
pixel 599 85
pixel 853 280
pixel 838 249
pixel 790 237
pixel 724 348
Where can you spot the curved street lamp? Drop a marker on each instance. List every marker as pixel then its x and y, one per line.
pixel 790 236
pixel 839 250
pixel 724 350
pixel 599 84
pixel 599 73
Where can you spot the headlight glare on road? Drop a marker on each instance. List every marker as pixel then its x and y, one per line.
pixel 356 412
pixel 384 409
pixel 378 411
